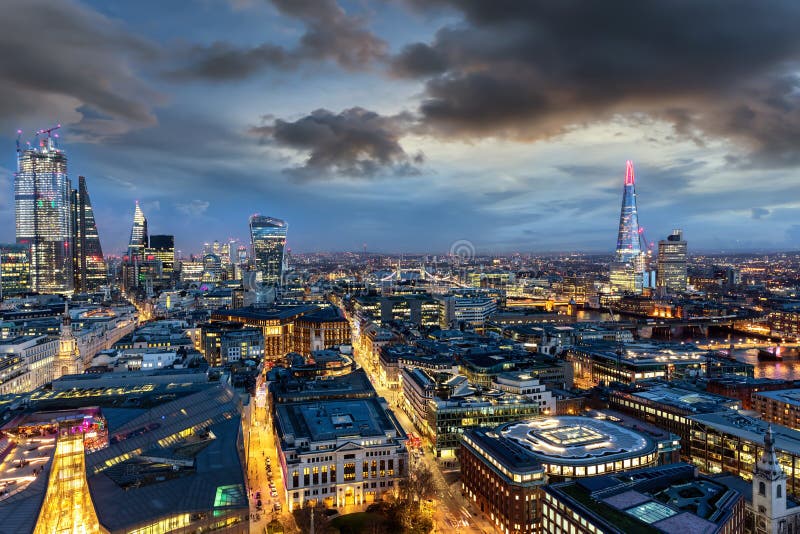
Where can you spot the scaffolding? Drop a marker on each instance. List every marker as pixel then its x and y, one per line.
pixel 68 507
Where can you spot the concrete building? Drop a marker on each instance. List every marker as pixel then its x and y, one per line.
pixel 669 500
pixel 781 407
pixel 339 452
pixel 26 363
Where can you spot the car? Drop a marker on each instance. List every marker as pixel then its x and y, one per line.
pixel 274 494
pixel 258 504
pixel 258 495
pixel 277 507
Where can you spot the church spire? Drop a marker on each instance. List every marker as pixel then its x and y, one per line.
pixel 768 465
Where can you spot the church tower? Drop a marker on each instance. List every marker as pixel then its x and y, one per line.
pixel 769 490
pixel 68 360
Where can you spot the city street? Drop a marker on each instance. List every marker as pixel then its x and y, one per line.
pixel 456 515
pixel 261 446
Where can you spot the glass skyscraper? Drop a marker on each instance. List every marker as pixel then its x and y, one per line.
pixel 139 240
pixel 627 269
pixel 672 263
pixel 90 267
pixel 268 240
pixel 42 194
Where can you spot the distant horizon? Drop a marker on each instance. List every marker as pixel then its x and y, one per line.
pixel 411 125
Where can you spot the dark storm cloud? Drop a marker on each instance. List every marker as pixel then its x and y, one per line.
pixel 60 60
pixel 355 143
pixel 713 68
pixel 330 34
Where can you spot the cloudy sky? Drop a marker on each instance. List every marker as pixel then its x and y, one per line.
pixel 411 124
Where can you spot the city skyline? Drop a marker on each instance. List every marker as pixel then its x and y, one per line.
pixel 377 123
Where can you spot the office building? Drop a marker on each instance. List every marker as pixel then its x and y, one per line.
pixel 89 265
pixel 781 407
pixel 340 452
pixel 139 239
pixel 15 270
pixel 162 248
pixel 268 240
pixel 627 269
pixel 732 442
pixel 607 362
pixel 223 343
pixel 468 311
pixel 42 194
pixel 503 469
pixel 668 500
pixel 286 329
pixel 26 363
pixel 672 263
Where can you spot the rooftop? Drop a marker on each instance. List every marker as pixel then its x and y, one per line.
pixel 751 429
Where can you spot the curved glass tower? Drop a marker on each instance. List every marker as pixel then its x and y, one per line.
pixel 268 239
pixel 627 270
pixel 139 240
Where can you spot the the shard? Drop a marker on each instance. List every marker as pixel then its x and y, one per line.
pixel 627 269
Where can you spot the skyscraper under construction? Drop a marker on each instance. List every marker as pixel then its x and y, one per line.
pixel 627 269
pixel 90 267
pixel 42 194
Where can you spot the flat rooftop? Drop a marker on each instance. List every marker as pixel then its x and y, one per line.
pixel 751 429
pixel 335 419
pixel 574 440
pixel 786 396
pixel 686 399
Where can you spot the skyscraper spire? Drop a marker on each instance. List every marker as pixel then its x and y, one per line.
pixel 627 270
pixel 139 240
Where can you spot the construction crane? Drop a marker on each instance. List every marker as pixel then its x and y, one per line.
pixel 48 131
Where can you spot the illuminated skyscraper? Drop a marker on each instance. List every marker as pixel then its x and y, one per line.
pixel 627 269
pixel 90 267
pixel 15 270
pixel 268 239
pixel 42 193
pixel 139 240
pixel 672 267
pixel 162 247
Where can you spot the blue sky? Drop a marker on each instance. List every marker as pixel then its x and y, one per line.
pixel 408 125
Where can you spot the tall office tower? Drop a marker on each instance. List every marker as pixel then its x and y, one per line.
pixel 42 192
pixel 87 254
pixel 162 247
pixel 139 240
pixel 15 270
pixel 627 269
pixel 672 265
pixel 268 239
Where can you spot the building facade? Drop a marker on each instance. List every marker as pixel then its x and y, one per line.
pixel 90 267
pixel 268 240
pixel 42 194
pixel 672 273
pixel 15 270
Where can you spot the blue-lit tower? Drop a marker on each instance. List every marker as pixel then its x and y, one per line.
pixel 268 239
pixel 627 269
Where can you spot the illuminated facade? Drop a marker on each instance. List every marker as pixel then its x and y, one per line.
pixel 68 506
pixel 139 240
pixel 15 270
pixel 68 361
pixel 90 267
pixel 672 266
pixel 268 240
pixel 42 193
pixel 627 269
pixel 162 247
